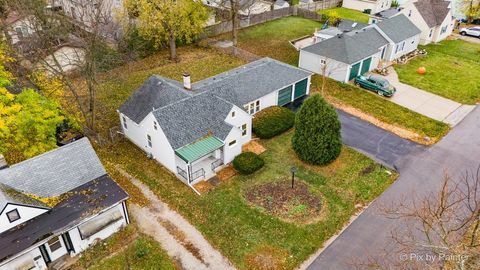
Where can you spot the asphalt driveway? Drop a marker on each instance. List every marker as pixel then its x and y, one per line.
pixel 420 173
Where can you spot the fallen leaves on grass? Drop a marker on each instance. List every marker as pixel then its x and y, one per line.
pixel 266 258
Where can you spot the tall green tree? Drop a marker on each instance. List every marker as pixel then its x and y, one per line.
pixel 471 9
pixel 167 21
pixel 317 137
pixel 28 121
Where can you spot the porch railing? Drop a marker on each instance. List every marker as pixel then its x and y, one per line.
pixel 182 173
pixel 197 174
pixel 217 163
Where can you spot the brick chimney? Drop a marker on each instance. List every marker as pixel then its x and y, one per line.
pixel 186 81
pixel 3 162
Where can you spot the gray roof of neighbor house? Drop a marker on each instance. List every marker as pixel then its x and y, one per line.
pixel 350 47
pixel 388 13
pixel 190 115
pixel 10 195
pixel 349 25
pixel 433 11
pixel 398 28
pixel 55 172
pixel 155 93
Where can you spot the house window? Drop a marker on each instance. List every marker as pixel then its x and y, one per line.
pixel 413 40
pixel 403 46
pixel 444 29
pixel 410 13
pixel 155 125
pixel 233 114
pixel 149 141
pixel 244 129
pixel 124 120
pixel 13 215
pixel 431 33
pixel 232 143
pixel 252 107
pixel 397 48
pixel 54 244
pixel 323 62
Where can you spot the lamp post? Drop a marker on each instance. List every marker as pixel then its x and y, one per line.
pixel 293 169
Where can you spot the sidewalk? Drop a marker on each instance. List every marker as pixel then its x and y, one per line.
pixel 426 103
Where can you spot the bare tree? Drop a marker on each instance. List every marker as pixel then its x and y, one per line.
pixel 440 230
pixel 237 9
pixel 328 67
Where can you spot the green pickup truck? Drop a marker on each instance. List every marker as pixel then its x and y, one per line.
pixel 376 84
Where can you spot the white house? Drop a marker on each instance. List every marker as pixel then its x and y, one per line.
pixel 18 27
pixel 433 17
pixel 359 51
pixel 86 206
pixel 193 129
pixel 373 6
pixel 280 4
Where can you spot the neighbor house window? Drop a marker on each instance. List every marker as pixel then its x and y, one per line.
pixel 323 61
pixel 232 143
pixel 244 129
pixel 431 33
pixel 155 125
pixel 149 141
pixel 124 120
pixel 252 107
pixel 13 215
pixel 410 13
pixel 444 29
pixel 403 46
pixel 233 114
pixel 54 244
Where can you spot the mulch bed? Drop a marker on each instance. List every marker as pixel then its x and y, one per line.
pixel 297 205
pixel 226 173
pixel 254 146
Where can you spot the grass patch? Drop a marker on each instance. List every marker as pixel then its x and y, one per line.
pixel 346 13
pixel 238 229
pixel 452 71
pixel 271 39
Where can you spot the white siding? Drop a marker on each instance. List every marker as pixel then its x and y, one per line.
pixel 25 212
pixel 25 25
pixel 161 149
pixel 410 45
pixel 230 152
pixel 335 70
pixel 241 117
pixel 269 100
pixel 26 261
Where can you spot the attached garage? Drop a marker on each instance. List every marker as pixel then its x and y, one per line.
pixel 285 96
pixel 354 71
pixel 366 65
pixel 300 88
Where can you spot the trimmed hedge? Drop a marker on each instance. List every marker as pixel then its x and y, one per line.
pixel 272 121
pixel 248 163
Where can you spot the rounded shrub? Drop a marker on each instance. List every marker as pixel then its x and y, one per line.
pixel 317 138
pixel 273 121
pixel 247 163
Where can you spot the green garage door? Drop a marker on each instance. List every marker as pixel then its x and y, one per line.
pixel 300 88
pixel 354 71
pixel 284 96
pixel 366 65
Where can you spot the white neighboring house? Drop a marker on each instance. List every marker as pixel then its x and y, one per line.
pixel 280 4
pixel 347 55
pixel 34 235
pixel 363 5
pixel 18 27
pixel 433 17
pixel 194 129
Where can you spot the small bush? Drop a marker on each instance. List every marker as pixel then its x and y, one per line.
pixel 273 121
pixel 248 163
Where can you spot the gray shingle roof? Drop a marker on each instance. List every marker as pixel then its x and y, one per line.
pixel 349 25
pixel 190 115
pixel 155 93
pixel 55 172
pixel 388 13
pixel 433 11
pixel 398 28
pixel 10 195
pixel 351 47
pixel 191 119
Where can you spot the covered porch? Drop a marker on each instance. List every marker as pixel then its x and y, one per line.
pixel 199 160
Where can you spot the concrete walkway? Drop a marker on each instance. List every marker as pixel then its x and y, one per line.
pixel 181 240
pixel 426 103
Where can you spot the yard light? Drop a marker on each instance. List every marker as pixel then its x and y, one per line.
pixel 293 169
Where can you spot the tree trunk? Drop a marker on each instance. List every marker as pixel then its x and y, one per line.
pixel 234 10
pixel 173 46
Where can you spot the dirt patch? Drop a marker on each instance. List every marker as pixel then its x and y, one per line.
pixel 295 205
pixel 367 170
pixel 180 236
pixel 402 132
pixel 226 173
pixel 267 258
pixel 253 146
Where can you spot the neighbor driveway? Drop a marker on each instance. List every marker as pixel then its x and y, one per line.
pixel 467 38
pixel 426 103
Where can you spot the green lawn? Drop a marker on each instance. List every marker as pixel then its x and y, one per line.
pixel 452 71
pixel 272 39
pixel 346 13
pixel 127 250
pixel 246 233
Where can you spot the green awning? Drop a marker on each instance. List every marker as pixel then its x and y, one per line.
pixel 196 150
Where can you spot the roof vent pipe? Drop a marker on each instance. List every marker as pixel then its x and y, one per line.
pixel 186 81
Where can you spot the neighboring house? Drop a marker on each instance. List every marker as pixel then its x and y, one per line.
pixel 368 6
pixel 355 52
pixel 18 28
pixel 433 17
pixel 56 205
pixel 385 14
pixel 193 129
pixel 280 4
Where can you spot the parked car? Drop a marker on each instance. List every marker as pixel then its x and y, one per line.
pixel 472 31
pixel 376 84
